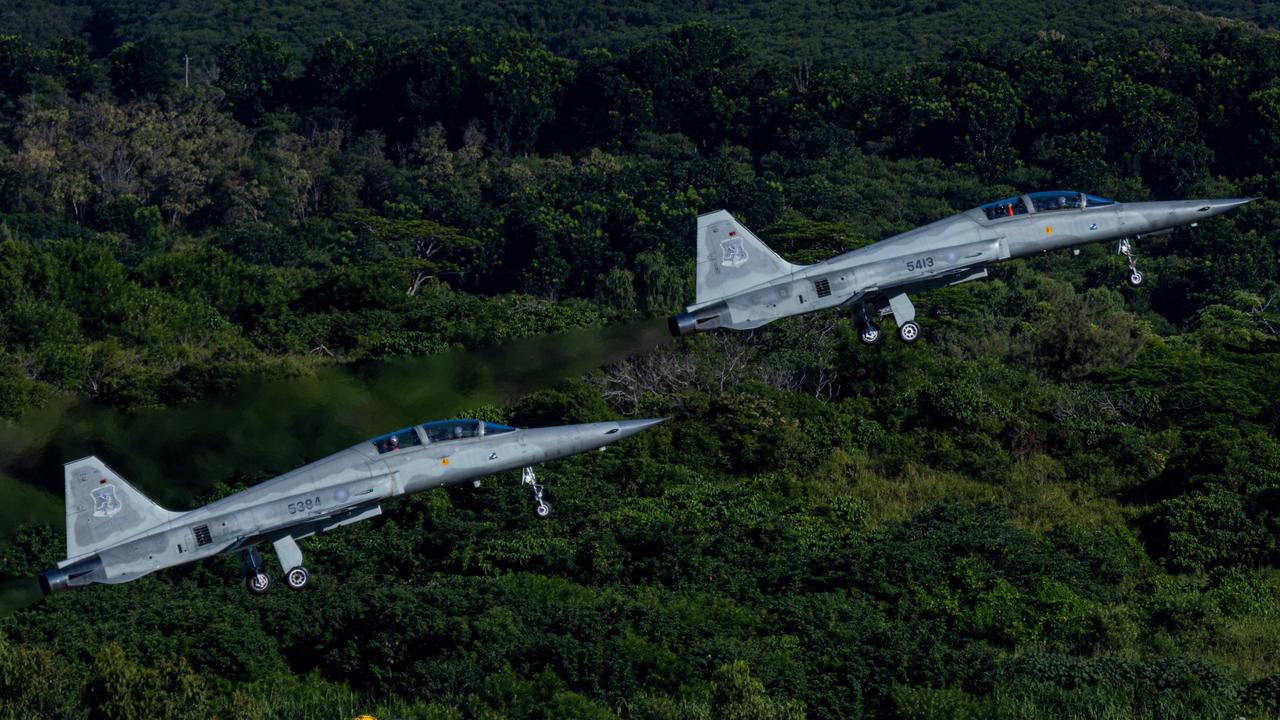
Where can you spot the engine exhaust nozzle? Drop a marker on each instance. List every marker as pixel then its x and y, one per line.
pixel 85 572
pixel 700 320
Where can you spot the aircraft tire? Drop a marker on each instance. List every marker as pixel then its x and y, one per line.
pixel 870 335
pixel 1136 278
pixel 258 583
pixel 297 578
pixel 909 331
pixel 542 509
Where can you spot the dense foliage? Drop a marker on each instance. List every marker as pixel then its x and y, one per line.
pixel 1062 504
pixel 784 32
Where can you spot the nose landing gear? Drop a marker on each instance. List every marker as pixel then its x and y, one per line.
pixel 527 477
pixel 1135 275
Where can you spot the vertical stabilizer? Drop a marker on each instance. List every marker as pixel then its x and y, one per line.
pixel 731 259
pixel 103 509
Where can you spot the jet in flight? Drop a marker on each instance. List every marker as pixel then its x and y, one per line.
pixel 116 534
pixel 742 284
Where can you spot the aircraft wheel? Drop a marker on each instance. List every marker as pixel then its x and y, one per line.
pixel 870 335
pixel 258 583
pixel 909 331
pixel 297 578
pixel 1135 278
pixel 543 509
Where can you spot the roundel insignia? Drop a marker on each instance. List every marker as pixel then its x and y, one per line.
pixel 341 495
pixel 444 461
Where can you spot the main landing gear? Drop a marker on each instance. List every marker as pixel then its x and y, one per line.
pixel 1135 275
pixel 870 334
pixel 902 310
pixel 527 477
pixel 258 580
pixel 255 575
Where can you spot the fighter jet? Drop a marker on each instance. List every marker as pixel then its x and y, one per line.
pixel 742 284
pixel 116 534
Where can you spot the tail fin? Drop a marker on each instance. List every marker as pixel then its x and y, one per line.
pixel 103 509
pixel 732 259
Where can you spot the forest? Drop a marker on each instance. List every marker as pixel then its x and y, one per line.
pixel 1063 503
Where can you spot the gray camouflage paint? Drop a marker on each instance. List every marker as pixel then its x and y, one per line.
pixel 114 542
pixel 742 284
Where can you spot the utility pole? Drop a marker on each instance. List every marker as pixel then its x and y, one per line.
pixel 186 69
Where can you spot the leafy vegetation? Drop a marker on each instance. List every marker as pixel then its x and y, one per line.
pixel 790 33
pixel 1062 504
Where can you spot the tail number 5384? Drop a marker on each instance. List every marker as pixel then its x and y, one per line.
pixel 302 506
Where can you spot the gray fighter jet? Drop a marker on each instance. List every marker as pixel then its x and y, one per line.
pixel 742 284
pixel 116 534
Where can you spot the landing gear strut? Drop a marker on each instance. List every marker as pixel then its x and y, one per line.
pixel 290 555
pixel 1135 275
pixel 870 333
pixel 905 313
pixel 527 477
pixel 255 577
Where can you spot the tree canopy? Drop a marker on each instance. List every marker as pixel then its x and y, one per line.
pixel 1062 504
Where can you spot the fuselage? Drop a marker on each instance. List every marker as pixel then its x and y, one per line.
pixel 946 252
pixel 342 488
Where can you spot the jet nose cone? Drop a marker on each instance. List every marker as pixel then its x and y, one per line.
pixel 631 427
pixel 1217 207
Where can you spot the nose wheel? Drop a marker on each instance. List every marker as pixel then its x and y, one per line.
pixel 527 477
pixel 1126 249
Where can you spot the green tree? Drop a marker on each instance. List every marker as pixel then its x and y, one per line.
pixel 422 249
pixel 120 689
pixel 252 73
pixel 140 69
pixel 735 695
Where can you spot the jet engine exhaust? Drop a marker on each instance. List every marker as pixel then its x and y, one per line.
pixel 18 594
pixel 58 579
pixel 700 320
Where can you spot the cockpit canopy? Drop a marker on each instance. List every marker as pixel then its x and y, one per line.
pixel 442 430
pixel 1046 201
pixel 438 431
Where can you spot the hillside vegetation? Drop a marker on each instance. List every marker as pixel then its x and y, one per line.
pixel 1063 503
pixel 785 33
